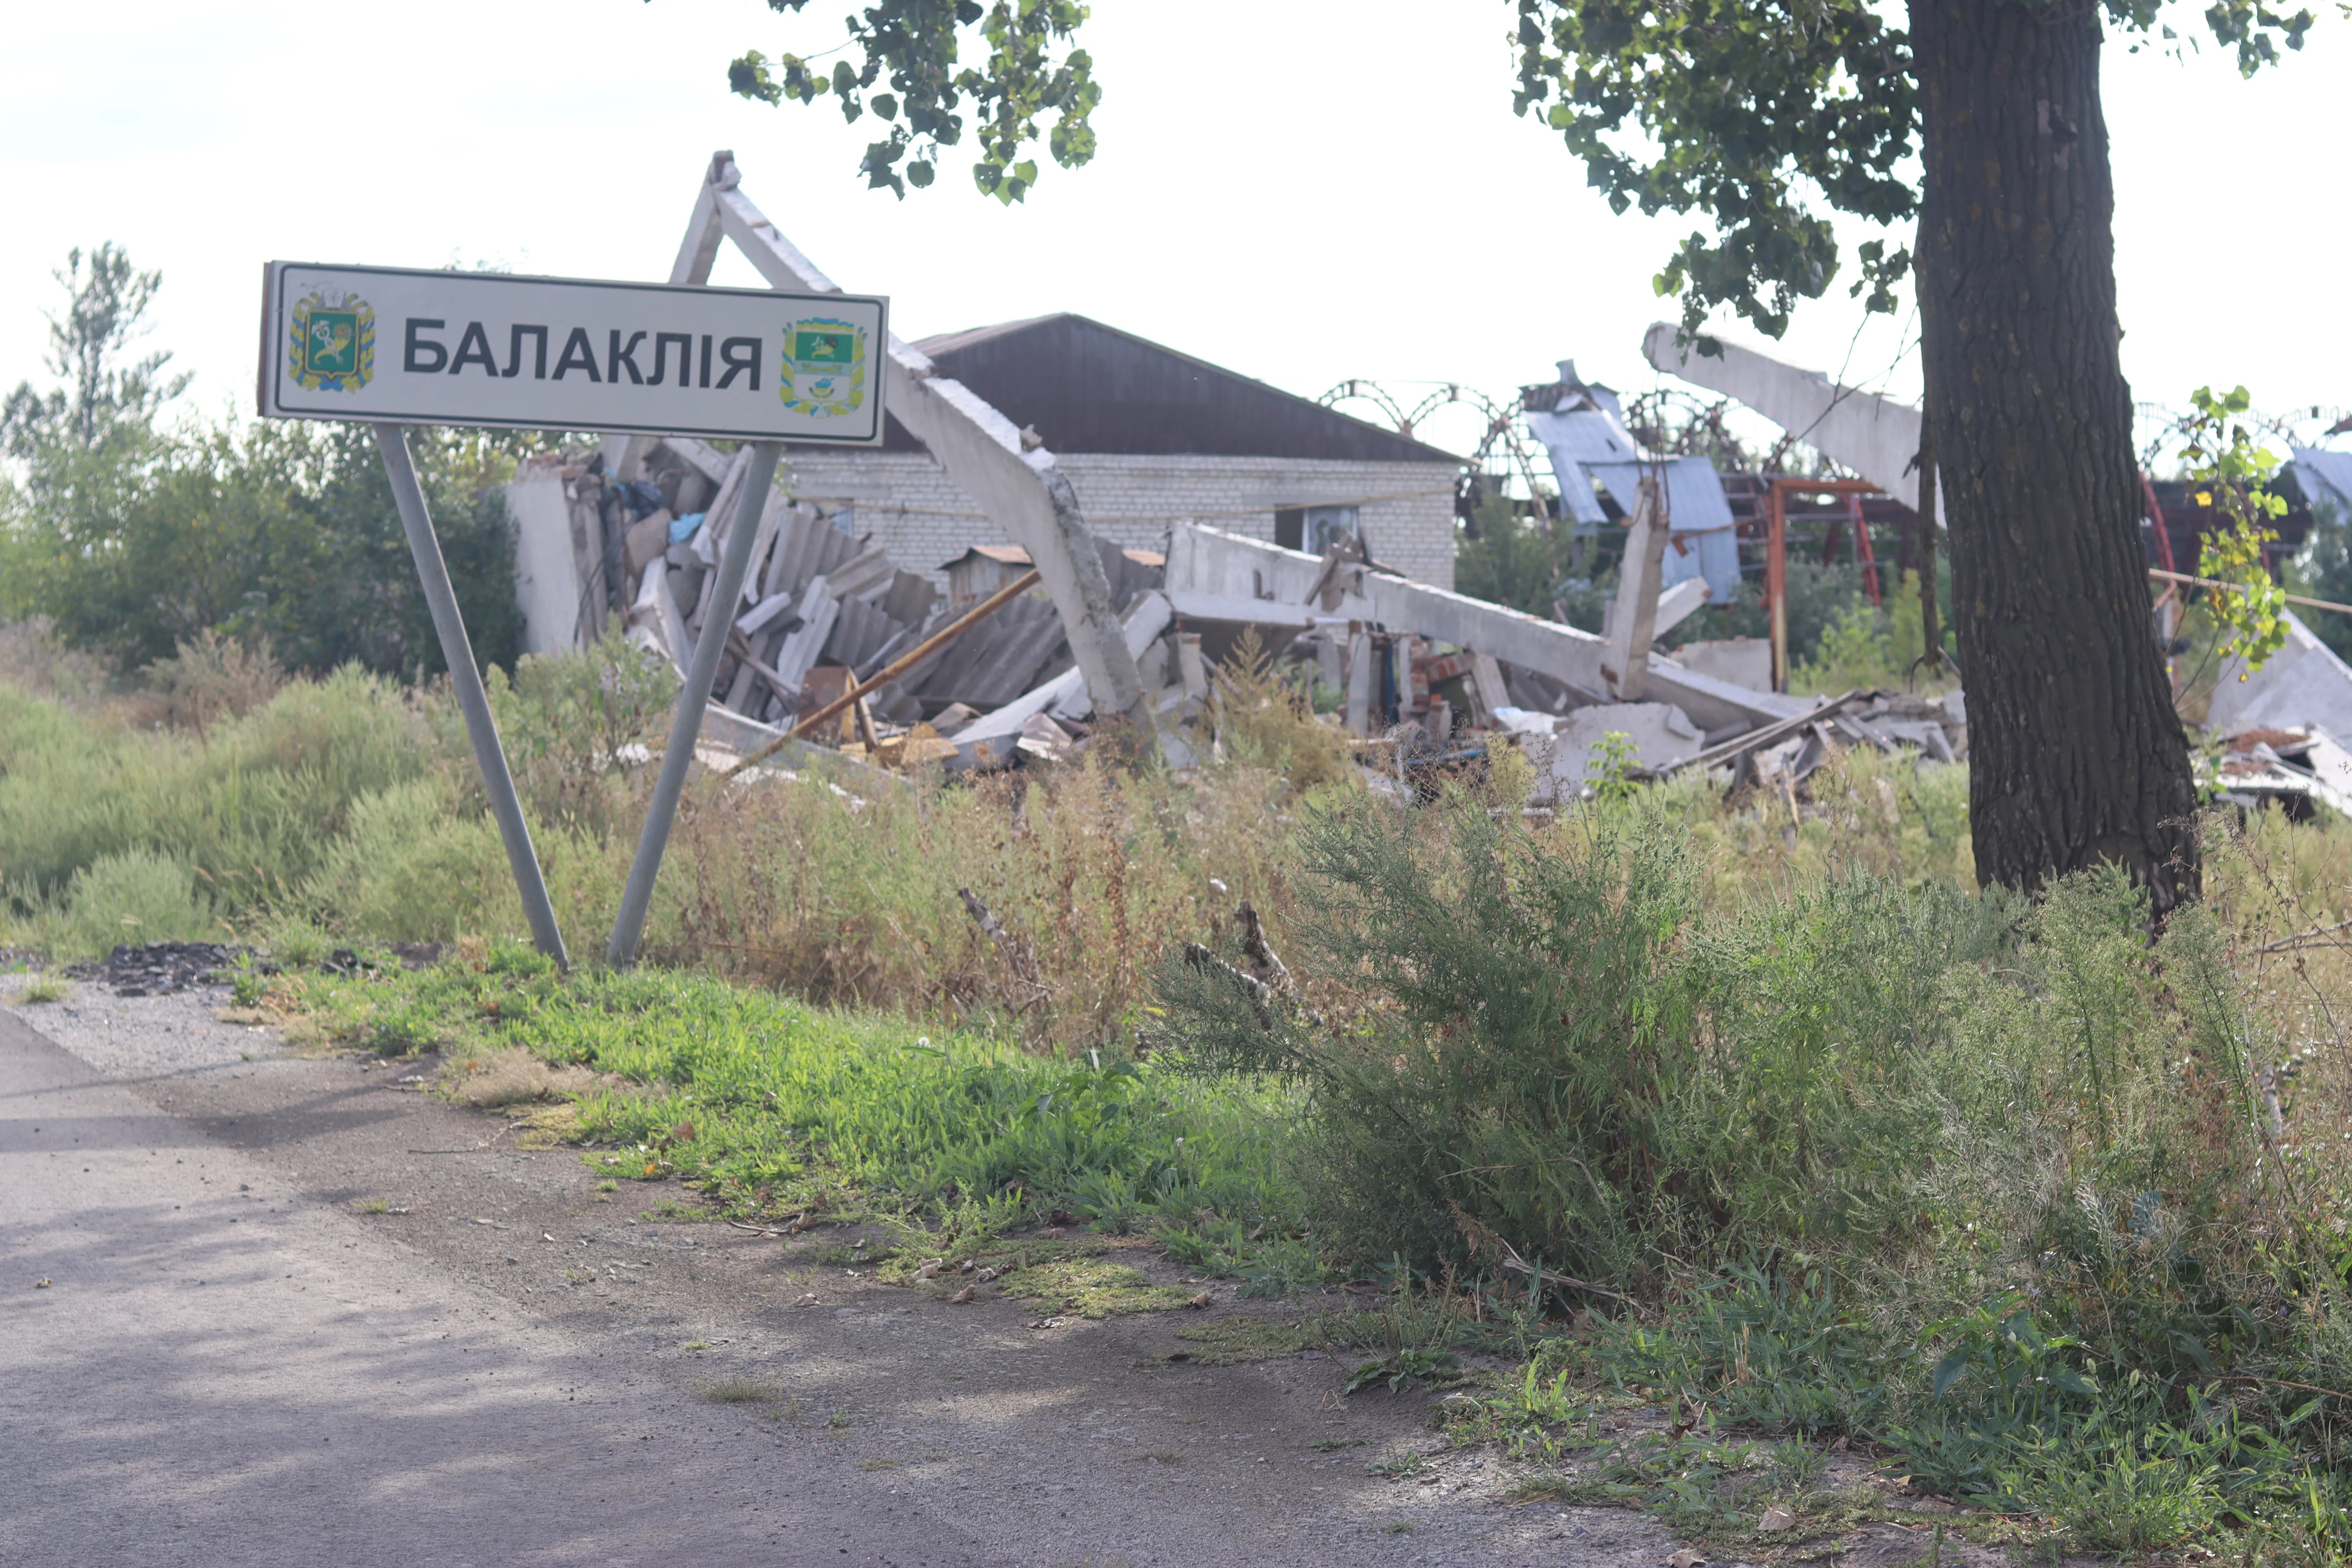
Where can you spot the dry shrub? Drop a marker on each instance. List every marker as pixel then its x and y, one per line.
pixel 1092 870
pixel 210 678
pixel 1261 720
pixel 1896 816
pixel 32 659
pixel 512 1076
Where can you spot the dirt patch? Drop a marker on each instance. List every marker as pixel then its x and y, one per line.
pixel 1096 1288
pixel 512 1076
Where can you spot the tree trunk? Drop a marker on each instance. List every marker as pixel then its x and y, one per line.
pixel 2075 755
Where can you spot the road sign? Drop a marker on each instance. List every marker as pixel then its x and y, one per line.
pixel 383 343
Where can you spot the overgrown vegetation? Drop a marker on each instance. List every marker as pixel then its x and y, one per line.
pixel 1999 1185
pixel 1751 1107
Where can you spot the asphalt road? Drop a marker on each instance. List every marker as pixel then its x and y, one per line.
pixel 232 1361
pixel 218 1372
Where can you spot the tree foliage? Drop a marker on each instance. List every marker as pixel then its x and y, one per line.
pixel 2229 469
pixel 1761 116
pixel 1026 73
pixel 133 531
pixel 1758 116
pixel 107 303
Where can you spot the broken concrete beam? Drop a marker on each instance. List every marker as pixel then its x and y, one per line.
pixel 1876 436
pixel 1358 714
pixel 1486 690
pixel 1015 482
pixel 1285 620
pixel 705 458
pixel 1146 619
pixel 1210 560
pixel 1742 661
pixel 1678 604
pixel 1626 666
pixel 1655 735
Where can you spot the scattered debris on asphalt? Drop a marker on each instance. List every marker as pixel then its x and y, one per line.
pixel 160 968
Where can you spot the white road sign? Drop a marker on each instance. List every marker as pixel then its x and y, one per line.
pixel 558 354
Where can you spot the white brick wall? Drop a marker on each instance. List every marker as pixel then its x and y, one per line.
pixel 913 510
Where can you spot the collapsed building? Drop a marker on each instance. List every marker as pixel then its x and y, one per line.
pixel 886 610
pixel 2277 725
pixel 1067 522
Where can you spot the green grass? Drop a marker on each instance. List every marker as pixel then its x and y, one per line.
pixel 772 1107
pixel 1092 1287
pixel 738 1390
pixel 40 988
pixel 1990 1411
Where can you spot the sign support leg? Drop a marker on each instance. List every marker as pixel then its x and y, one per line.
pixel 692 700
pixel 466 676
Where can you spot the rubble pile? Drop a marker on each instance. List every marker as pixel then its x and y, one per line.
pixel 159 968
pixel 824 610
pixel 833 640
pixel 2296 769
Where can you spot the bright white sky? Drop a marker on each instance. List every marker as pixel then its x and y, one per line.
pixel 1302 190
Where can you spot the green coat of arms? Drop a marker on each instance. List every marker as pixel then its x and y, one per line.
pixel 823 373
pixel 330 344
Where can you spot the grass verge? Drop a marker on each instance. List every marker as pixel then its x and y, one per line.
pixel 775 1109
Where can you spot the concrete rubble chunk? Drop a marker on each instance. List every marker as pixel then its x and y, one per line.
pixel 1875 435
pixel 1655 735
pixel 1740 661
pixel 2302 684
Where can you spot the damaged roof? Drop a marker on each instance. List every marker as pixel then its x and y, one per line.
pixel 1086 387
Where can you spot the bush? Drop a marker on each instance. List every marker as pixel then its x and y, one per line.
pixel 134 896
pixel 412 867
pixel 1535 1044
pixel 1509 1062
pixel 252 806
pixel 1544 1041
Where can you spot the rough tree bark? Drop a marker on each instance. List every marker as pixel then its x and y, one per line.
pixel 2076 756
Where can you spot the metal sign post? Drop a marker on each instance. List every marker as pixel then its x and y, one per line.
pixel 458 649
pixel 492 349
pixel 693 697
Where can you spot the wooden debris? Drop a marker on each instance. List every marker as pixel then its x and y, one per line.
pixel 1265 963
pixel 931 646
pixel 1018 956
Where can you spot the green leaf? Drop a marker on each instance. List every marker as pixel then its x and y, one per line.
pixel 1948 1369
pixel 2072 1382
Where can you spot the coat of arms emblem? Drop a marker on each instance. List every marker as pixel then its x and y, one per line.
pixel 823 373
pixel 330 342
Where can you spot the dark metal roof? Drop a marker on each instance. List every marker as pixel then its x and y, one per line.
pixel 1086 387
